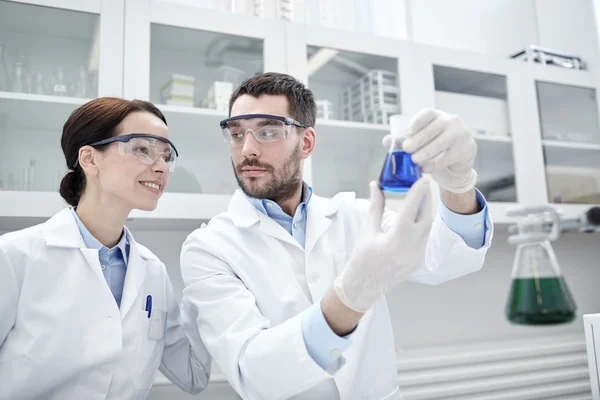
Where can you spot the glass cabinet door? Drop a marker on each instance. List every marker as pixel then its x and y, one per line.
pixel 192 76
pixel 480 100
pixel 49 65
pixel 188 61
pixel 571 139
pixel 355 94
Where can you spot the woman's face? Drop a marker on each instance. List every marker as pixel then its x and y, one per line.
pixel 128 179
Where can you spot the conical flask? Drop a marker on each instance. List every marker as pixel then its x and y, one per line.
pixel 399 172
pixel 538 294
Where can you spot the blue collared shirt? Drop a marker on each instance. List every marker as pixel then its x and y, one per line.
pixel 320 341
pixel 112 261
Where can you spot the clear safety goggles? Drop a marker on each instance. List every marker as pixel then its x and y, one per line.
pixel 144 147
pixel 264 127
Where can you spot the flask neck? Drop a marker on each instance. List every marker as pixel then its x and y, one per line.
pixel 396 144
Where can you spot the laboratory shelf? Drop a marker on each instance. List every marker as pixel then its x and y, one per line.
pixel 175 211
pixel 497 139
pixel 498 210
pixel 571 145
pixel 184 211
pixel 34 111
pixel 191 110
pixel 351 125
pixel 192 121
pixel 42 98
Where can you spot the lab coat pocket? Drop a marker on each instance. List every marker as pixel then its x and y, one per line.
pixel 149 348
pixel 157 325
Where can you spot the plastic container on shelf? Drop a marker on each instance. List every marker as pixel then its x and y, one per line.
pixel 217 97
pixel 225 73
pixel 372 98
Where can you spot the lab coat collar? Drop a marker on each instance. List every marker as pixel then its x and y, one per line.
pixel 244 215
pixel 61 231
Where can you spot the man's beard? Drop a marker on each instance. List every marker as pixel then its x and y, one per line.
pixel 281 187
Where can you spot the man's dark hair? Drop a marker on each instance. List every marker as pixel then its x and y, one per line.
pixel 301 100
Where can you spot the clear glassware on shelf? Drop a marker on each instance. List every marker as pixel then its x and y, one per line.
pixel 28 82
pixel 59 86
pixel 4 78
pixel 82 87
pixel 18 83
pixel 11 184
pixel 28 177
pixel 39 84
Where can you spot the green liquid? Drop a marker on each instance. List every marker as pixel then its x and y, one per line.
pixel 540 301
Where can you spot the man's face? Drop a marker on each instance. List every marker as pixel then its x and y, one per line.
pixel 271 170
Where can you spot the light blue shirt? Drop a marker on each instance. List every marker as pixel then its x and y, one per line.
pixel 319 339
pixel 112 261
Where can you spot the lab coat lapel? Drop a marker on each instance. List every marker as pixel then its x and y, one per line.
pixel 318 220
pixel 91 256
pixel 271 228
pixel 134 278
pixel 245 215
pixel 62 231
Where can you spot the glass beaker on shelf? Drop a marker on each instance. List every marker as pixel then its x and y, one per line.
pixel 538 295
pixel 18 82
pixel 59 86
pixel 82 87
pixel 28 177
pixel 4 78
pixel 11 184
pixel 39 84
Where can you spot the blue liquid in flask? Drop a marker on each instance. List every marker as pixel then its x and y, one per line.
pixel 399 172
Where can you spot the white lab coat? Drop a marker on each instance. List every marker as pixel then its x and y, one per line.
pixel 248 281
pixel 62 335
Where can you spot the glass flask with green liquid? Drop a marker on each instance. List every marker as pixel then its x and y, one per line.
pixel 538 294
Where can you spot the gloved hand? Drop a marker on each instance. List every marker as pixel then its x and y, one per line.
pixel 444 147
pixel 380 259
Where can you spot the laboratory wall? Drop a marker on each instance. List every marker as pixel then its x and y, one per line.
pixel 504 27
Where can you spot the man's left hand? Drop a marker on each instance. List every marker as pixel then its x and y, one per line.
pixel 444 147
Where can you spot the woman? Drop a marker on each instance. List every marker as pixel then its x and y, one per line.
pixel 85 311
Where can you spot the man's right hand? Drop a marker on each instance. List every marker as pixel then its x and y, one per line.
pixel 380 259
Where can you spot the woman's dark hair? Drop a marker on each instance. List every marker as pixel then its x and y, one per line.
pixel 94 121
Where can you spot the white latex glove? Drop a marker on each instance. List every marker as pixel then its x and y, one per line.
pixel 380 259
pixel 444 147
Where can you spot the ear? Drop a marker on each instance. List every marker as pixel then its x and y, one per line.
pixel 309 139
pixel 87 160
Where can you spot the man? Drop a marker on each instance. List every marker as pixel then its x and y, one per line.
pixel 287 288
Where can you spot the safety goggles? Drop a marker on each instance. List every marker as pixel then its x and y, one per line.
pixel 144 147
pixel 264 127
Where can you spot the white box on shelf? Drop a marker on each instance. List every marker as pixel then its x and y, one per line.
pixel 218 96
pixel 180 101
pixel 178 85
pixel 484 115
